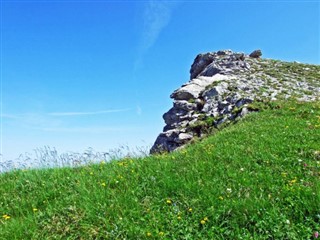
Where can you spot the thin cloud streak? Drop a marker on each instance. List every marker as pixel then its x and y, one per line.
pixel 8 116
pixel 55 121
pixel 156 18
pixel 58 114
pixel 29 120
pixel 88 113
pixel 92 130
pixel 157 15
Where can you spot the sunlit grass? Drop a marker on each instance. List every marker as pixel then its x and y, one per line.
pixel 257 179
pixel 47 157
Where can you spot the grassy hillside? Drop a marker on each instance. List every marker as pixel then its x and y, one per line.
pixel 257 179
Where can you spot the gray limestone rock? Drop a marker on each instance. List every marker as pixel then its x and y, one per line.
pixel 174 115
pixel 187 92
pixel 243 101
pixel 185 105
pixel 184 137
pixel 211 70
pixel 215 91
pixel 244 111
pixel 165 142
pixel 221 87
pixel 195 87
pixel 200 62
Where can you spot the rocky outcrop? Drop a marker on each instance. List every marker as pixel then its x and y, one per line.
pixel 221 88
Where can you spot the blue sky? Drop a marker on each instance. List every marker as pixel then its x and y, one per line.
pixel 79 74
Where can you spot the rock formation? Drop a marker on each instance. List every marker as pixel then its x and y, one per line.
pixel 221 88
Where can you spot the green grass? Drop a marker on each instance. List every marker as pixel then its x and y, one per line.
pixel 257 179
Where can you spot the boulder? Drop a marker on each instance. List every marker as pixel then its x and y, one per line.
pixel 256 54
pixel 187 92
pixel 184 137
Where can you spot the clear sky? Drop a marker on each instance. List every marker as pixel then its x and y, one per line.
pixel 79 74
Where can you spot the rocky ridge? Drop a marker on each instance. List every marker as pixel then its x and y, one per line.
pixel 223 86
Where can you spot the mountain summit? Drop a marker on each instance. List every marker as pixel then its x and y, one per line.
pixel 223 87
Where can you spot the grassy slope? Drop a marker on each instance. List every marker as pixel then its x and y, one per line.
pixel 258 179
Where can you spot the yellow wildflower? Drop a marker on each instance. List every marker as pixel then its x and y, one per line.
pixel 6 217
pixel 206 219
pixel 190 209
pixel 203 222
pixel 35 209
pixel 169 201
pixel 293 181
pixel 103 184
pixel 221 198
pixel 149 234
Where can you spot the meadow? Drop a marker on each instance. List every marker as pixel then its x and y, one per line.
pixel 256 179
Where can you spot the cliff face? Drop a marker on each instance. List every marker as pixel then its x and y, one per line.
pixel 221 88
